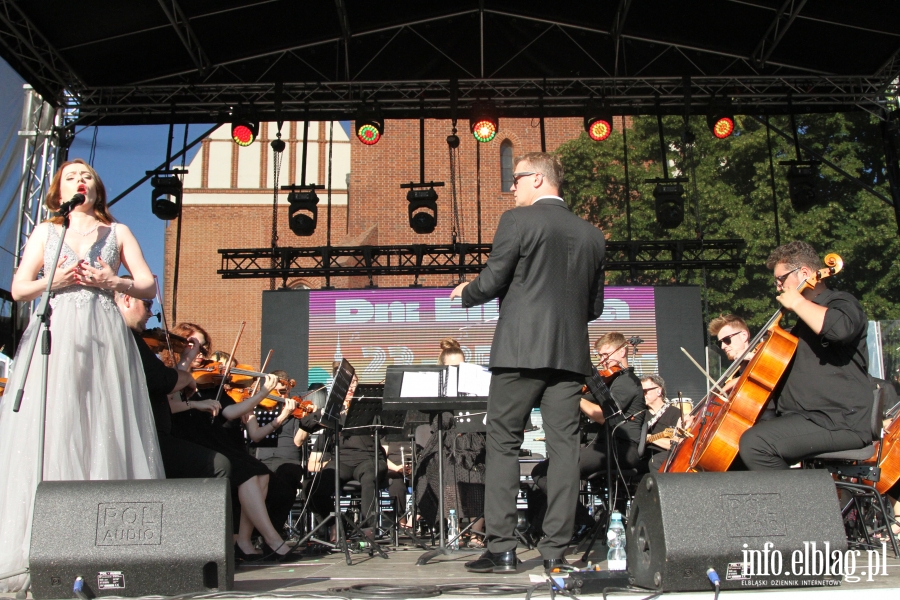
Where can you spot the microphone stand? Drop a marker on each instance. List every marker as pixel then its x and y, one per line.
pixel 43 313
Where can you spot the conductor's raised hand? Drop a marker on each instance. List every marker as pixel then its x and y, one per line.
pixel 457 291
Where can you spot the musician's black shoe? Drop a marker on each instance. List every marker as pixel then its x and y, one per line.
pixel 503 562
pixel 553 563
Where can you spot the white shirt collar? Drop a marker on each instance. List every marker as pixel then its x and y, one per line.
pixel 549 196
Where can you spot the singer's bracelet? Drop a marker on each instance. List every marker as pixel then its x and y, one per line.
pixel 130 285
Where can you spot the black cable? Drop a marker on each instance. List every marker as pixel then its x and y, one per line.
pixel 378 590
pixel 631 590
pixel 485 589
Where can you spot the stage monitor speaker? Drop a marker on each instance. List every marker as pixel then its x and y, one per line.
pixel 682 524
pixel 132 538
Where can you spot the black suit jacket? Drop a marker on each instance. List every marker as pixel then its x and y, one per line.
pixel 546 266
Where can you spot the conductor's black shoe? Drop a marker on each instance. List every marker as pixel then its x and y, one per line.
pixel 503 562
pixel 554 563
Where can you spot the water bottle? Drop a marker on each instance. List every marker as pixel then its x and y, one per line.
pixel 453 530
pixel 615 539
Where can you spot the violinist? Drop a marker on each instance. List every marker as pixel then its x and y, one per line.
pixel 249 477
pixel 180 458
pixel 825 403
pixel 278 437
pixel 626 419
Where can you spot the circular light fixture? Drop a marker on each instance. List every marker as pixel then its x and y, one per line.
pixel 484 129
pixel 369 131
pixel 721 126
pixel 598 128
pixel 244 132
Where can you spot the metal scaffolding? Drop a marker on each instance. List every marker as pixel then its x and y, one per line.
pixel 551 97
pixel 40 133
pixel 460 259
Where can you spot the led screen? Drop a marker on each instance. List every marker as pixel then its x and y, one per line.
pixel 379 327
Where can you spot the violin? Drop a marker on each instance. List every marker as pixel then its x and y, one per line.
pixel 211 373
pixel 160 339
pixel 273 400
pixel 607 375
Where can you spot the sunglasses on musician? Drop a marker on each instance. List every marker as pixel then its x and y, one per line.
pixel 726 341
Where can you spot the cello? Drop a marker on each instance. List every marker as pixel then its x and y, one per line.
pixel 715 436
pixel 890 458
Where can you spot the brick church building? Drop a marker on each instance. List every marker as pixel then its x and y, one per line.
pixel 228 204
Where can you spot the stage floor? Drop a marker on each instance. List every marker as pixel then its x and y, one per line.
pixel 327 574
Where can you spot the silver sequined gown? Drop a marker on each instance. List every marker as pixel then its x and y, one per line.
pixel 99 421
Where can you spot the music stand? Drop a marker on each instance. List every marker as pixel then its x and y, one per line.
pixel 332 419
pixel 393 385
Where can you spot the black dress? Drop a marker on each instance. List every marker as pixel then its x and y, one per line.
pixel 221 435
pixel 464 456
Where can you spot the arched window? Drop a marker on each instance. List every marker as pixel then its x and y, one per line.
pixel 506 165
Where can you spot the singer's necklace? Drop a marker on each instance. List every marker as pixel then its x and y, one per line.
pixel 88 232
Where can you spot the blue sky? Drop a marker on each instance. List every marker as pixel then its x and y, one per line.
pixel 121 157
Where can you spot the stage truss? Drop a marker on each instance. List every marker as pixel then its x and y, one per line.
pixel 444 99
pixel 460 259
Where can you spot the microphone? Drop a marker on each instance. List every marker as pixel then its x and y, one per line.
pixel 66 207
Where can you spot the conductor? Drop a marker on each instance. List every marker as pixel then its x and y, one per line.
pixel 546 267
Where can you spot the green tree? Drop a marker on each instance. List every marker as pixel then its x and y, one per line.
pixel 729 196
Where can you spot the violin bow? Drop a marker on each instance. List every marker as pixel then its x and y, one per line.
pixel 162 317
pixel 721 392
pixel 230 360
pixel 262 369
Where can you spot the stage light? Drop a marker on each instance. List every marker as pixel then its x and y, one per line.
pixel 720 124
pixel 369 131
pixel 422 210
pixel 669 204
pixel 802 185
pixel 303 212
pixel 598 126
pixel 483 122
pixel 165 199
pixel 244 132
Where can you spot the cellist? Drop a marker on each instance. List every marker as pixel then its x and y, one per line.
pixel 825 403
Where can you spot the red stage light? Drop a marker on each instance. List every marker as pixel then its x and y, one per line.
pixel 598 125
pixel 369 132
pixel 244 133
pixel 484 129
pixel 721 126
pixel 599 130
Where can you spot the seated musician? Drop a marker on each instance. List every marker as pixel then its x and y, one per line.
pixel 733 336
pixel 249 477
pixel 625 388
pixel 825 403
pixel 181 459
pixel 464 464
pixel 663 419
pixel 357 460
pixel 278 437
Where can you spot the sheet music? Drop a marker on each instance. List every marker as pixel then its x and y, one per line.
pixel 421 384
pixel 474 380
pixel 452 378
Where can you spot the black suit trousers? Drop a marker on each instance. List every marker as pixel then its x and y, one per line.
pixel 780 442
pixel 514 392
